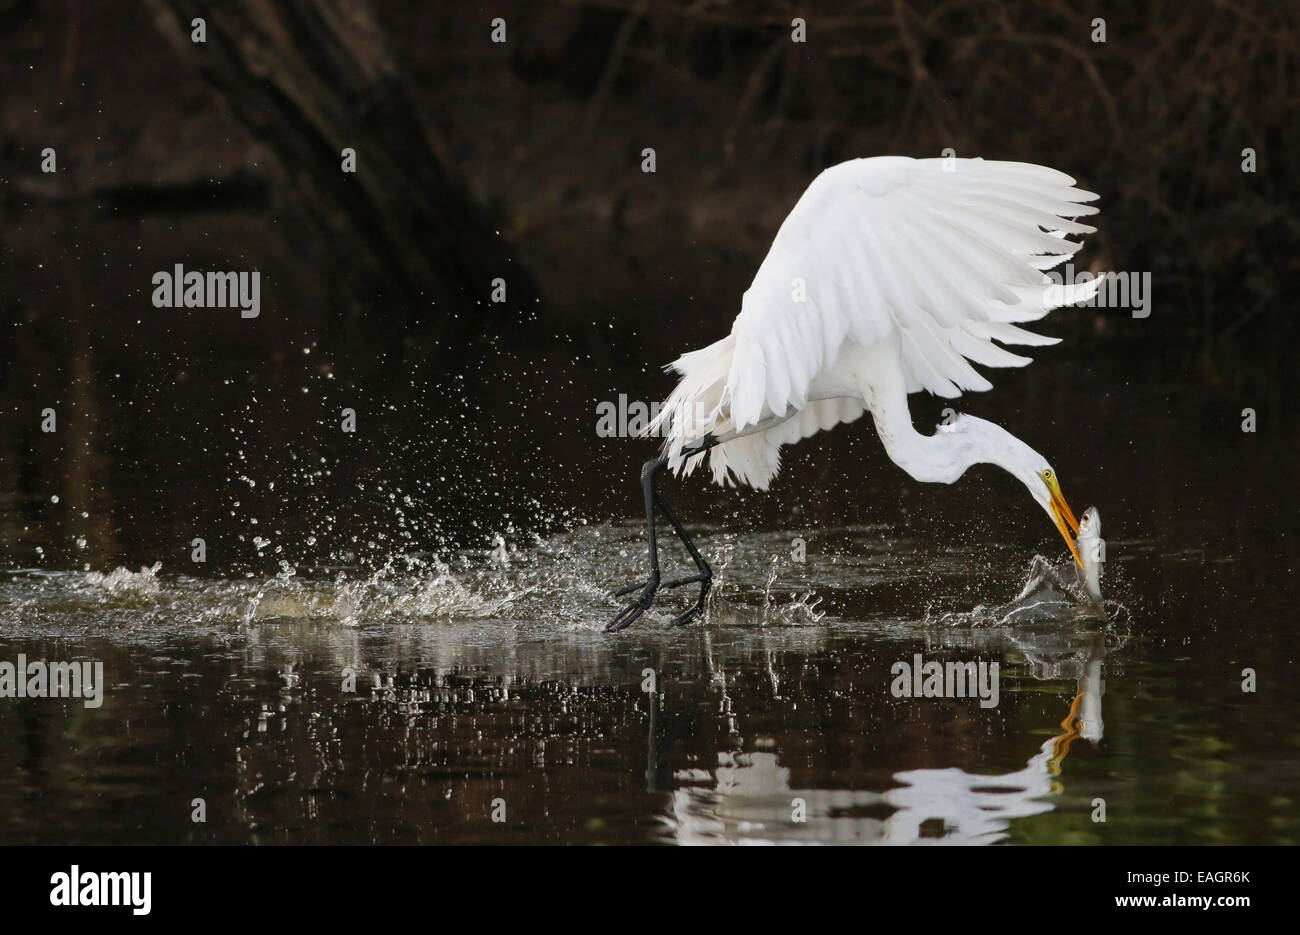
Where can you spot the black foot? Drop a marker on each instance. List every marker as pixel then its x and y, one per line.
pixel 675 583
pixel 633 611
pixel 696 612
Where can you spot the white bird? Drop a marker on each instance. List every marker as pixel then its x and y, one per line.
pixel 891 275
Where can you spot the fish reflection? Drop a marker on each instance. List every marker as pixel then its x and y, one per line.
pixel 749 797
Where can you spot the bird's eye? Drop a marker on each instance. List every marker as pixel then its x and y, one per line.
pixel 1047 474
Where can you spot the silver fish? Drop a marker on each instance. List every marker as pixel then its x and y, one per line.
pixel 1092 552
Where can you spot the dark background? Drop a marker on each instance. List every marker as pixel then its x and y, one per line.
pixel 523 160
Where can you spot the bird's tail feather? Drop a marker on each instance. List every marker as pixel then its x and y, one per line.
pixel 694 408
pixel 700 405
pixel 755 459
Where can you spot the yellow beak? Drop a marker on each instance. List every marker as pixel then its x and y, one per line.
pixel 1064 518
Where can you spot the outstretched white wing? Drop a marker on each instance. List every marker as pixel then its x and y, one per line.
pixel 946 253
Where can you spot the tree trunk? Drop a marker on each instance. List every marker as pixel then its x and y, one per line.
pixel 311 77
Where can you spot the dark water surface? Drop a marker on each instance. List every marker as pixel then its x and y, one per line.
pixel 485 690
pixel 454 558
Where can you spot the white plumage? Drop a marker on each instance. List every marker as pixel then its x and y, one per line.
pixel 891 275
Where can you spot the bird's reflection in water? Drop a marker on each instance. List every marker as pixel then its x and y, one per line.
pixel 749 798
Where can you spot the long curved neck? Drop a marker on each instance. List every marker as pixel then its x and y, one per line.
pixel 944 456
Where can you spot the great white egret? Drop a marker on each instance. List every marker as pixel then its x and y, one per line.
pixel 891 275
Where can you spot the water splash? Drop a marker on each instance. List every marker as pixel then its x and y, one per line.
pixel 564 582
pixel 123 582
pixel 1051 593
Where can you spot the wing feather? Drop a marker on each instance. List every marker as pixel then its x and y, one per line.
pixel 947 255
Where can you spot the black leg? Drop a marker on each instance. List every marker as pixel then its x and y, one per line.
pixel 629 614
pixel 705 576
